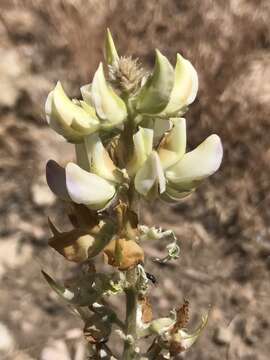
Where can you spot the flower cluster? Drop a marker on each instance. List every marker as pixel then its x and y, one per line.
pixel 130 142
pixel 158 164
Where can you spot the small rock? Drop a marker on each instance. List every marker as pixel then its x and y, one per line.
pixel 252 330
pixel 42 195
pixel 7 343
pixel 21 356
pixel 75 333
pixel 238 350
pixel 223 336
pixel 34 89
pixel 80 352
pixel 217 315
pixel 12 67
pixel 12 254
pixel 55 350
pixel 21 22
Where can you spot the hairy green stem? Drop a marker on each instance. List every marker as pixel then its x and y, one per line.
pixel 131 324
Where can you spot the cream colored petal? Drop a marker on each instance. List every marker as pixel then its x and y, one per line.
pixel 155 94
pixel 67 118
pixel 160 126
pixel 88 108
pixel 172 195
pixel 150 180
pixel 56 179
pixel 59 124
pixel 196 165
pixel 173 147
pixel 87 188
pixel 86 94
pixel 185 86
pixel 143 146
pixel 101 163
pixel 48 107
pixel 83 158
pixel 109 106
pixel 111 55
pixel 72 114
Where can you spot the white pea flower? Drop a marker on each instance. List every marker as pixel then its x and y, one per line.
pixel 69 119
pixel 155 93
pixel 193 167
pixel 169 170
pixel 185 86
pixel 80 186
pixel 87 188
pixel 110 108
pixel 167 92
pixel 100 162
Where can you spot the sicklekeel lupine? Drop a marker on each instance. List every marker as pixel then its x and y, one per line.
pixel 130 142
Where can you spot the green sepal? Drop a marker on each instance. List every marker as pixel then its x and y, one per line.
pixel 111 54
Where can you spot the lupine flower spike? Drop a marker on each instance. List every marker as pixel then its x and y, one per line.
pixel 130 142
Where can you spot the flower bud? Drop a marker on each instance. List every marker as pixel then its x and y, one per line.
pixel 155 93
pixel 110 108
pixel 161 325
pixel 185 86
pixel 68 119
pixel 111 55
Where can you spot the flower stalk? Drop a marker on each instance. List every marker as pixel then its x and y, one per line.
pixel 131 321
pixel 130 140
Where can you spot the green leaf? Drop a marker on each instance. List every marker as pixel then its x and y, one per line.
pixel 62 291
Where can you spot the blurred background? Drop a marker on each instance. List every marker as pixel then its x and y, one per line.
pixel 224 227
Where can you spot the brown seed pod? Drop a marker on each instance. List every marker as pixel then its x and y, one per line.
pixel 123 254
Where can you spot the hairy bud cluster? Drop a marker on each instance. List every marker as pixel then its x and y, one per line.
pixel 126 75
